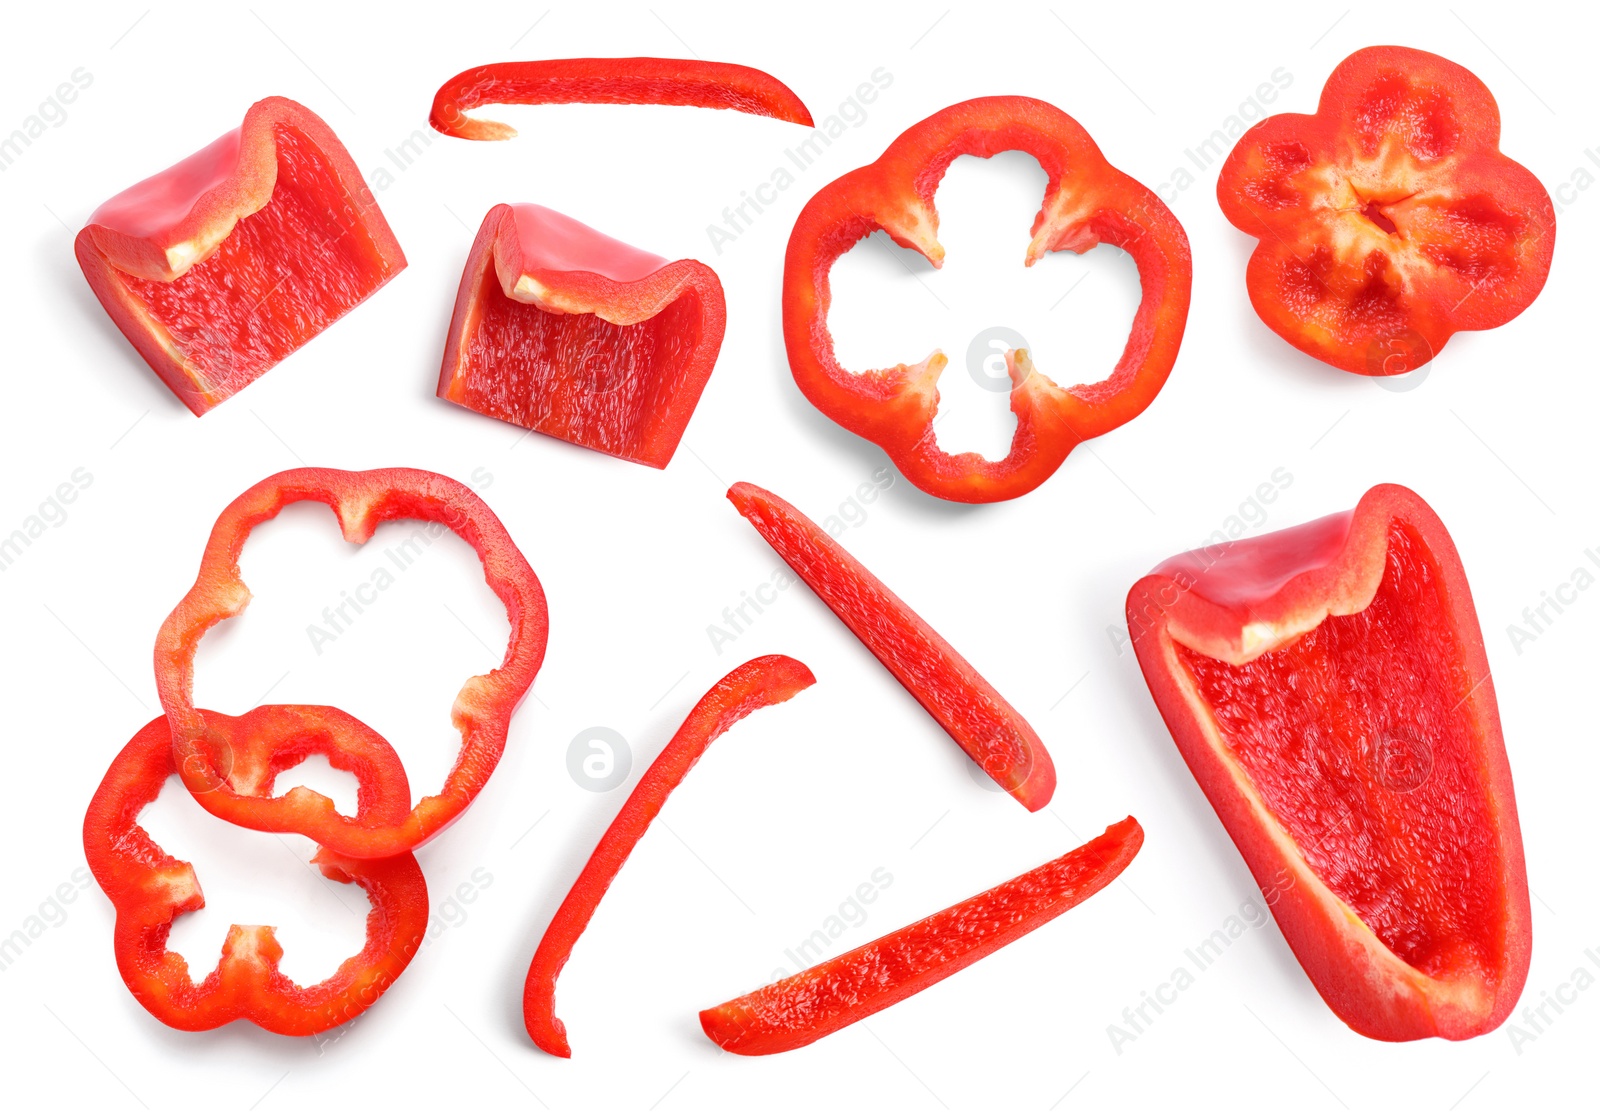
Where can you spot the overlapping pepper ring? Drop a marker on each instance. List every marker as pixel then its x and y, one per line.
pixel 482 711
pixel 150 888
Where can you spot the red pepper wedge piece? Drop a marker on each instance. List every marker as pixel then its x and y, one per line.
pixel 227 262
pixel 608 81
pixel 754 685
pixel 574 334
pixel 149 888
pixel 483 708
pixel 1389 219
pixel 991 731
pixel 1086 202
pixel 798 1010
pixel 1328 687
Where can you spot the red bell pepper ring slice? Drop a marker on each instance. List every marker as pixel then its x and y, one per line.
pixel 227 262
pixel 566 331
pixel 754 685
pixel 800 1009
pixel 482 710
pixel 1086 202
pixel 991 731
pixel 1389 219
pixel 1327 686
pixel 149 888
pixel 608 81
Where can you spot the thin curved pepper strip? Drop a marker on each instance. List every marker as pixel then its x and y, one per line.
pixel 754 685
pixel 1086 202
pixel 608 81
pixel 1388 220
pixel 150 888
pixel 482 710
pixel 221 266
pixel 1328 687
pixel 990 730
pixel 800 1009
pixel 577 335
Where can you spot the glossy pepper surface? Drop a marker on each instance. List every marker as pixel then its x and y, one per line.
pixel 1087 202
pixel 1388 219
pixel 1328 687
pixel 227 262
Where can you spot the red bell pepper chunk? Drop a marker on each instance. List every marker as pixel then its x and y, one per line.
pixel 799 1009
pixel 483 708
pixel 1086 202
pixel 1328 687
pixel 226 263
pixel 1389 219
pixel 564 330
pixel 991 731
pixel 149 888
pixel 754 685
pixel 608 81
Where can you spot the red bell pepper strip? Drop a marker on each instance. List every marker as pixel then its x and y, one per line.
pixel 1086 202
pixel 1389 219
pixel 754 685
pixel 482 710
pixel 1328 687
pixel 227 262
pixel 991 731
pixel 149 888
pixel 564 330
pixel 608 81
pixel 798 1010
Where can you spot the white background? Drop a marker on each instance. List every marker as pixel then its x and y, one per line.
pixel 800 804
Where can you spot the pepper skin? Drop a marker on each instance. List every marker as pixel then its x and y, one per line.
pixel 566 331
pixel 754 685
pixel 482 710
pixel 608 81
pixel 1328 687
pixel 991 731
pixel 149 888
pixel 226 263
pixel 1389 219
pixel 1086 202
pixel 800 1009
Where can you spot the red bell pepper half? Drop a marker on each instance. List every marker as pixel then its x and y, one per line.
pixel 991 731
pixel 1328 687
pixel 224 264
pixel 754 685
pixel 564 330
pixel 1086 202
pixel 798 1010
pixel 483 708
pixel 149 888
pixel 1388 220
pixel 608 81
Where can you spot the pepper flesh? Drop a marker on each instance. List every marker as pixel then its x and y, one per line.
pixel 574 334
pixel 1389 219
pixel 224 264
pixel 608 81
pixel 755 684
pixel 800 1009
pixel 1086 202
pixel 483 708
pixel 1328 687
pixel 991 731
pixel 149 888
